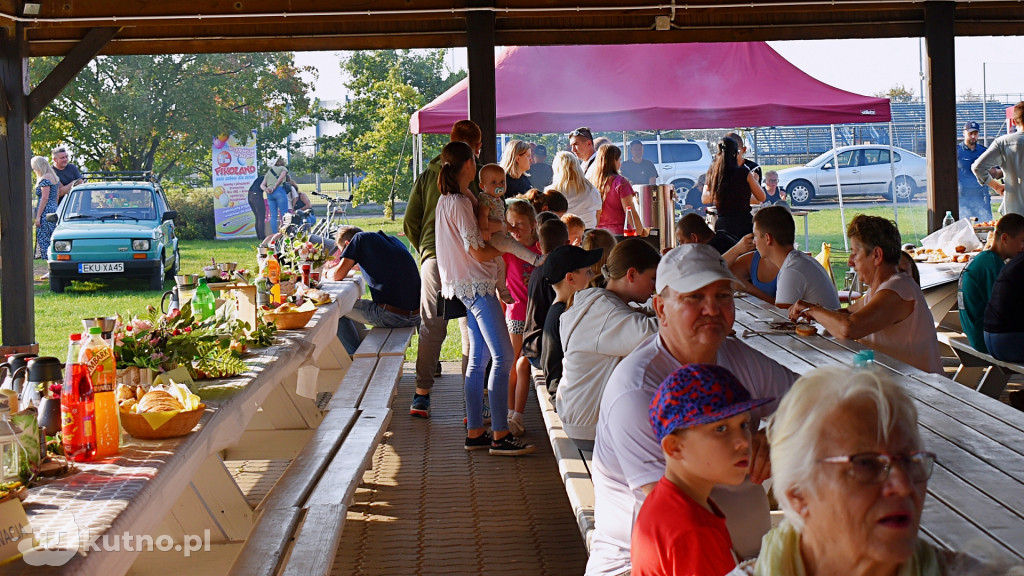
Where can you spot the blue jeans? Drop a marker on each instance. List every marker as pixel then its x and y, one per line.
pixel 278 202
pixel 1005 346
pixel 363 312
pixel 488 340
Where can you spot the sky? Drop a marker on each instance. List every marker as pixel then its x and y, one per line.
pixel 864 66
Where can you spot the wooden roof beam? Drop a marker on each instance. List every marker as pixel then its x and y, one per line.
pixel 76 59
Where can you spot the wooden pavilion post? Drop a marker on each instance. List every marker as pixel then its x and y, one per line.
pixel 18 107
pixel 482 93
pixel 941 111
pixel 18 306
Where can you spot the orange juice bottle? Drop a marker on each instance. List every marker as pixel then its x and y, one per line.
pixel 99 361
pixel 274 275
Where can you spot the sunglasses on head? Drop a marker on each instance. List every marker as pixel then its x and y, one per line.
pixel 584 132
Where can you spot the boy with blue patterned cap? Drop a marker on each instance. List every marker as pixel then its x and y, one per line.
pixel 701 416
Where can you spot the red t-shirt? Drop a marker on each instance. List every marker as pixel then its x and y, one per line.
pixel 675 536
pixel 517 277
pixel 613 215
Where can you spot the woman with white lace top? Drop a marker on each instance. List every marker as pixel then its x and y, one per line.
pixel 469 271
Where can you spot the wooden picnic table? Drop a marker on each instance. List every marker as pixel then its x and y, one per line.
pixel 976 492
pixel 939 284
pixel 180 487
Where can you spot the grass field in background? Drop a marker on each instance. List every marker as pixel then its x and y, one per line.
pixel 57 315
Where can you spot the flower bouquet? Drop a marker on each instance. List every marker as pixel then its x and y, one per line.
pixel 209 348
pixel 301 249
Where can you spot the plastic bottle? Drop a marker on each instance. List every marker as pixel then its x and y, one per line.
pixel 204 304
pixel 864 360
pixel 630 228
pixel 77 407
pixel 274 275
pixel 948 219
pixel 99 361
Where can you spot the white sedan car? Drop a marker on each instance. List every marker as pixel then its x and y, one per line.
pixel 863 171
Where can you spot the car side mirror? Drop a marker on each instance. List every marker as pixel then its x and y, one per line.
pixel 826 166
pixel 51 217
pixel 169 215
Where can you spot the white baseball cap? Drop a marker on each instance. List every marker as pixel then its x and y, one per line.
pixel 690 267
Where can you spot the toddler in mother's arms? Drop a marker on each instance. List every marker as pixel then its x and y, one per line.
pixel 490 213
pixel 701 416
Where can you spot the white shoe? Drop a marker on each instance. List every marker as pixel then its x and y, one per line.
pixel 515 426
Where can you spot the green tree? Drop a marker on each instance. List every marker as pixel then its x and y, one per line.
pixel 386 87
pixel 898 93
pixel 160 112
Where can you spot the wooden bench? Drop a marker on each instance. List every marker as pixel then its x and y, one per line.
pixel 978 370
pixel 378 360
pixel 573 464
pixel 302 518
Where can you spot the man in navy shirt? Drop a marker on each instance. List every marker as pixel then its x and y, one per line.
pixel 392 276
pixel 66 172
pixel 974 197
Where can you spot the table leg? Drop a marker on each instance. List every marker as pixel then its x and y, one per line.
pixel 807 235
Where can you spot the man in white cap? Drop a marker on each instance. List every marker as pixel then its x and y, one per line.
pixel 696 311
pixel 974 197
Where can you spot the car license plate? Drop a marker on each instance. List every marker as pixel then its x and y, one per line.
pixel 101 268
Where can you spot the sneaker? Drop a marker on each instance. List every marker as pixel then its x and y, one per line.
pixel 420 406
pixel 515 426
pixel 510 446
pixel 481 442
pixel 486 414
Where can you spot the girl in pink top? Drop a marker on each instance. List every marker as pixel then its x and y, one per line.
pixel 522 225
pixel 616 192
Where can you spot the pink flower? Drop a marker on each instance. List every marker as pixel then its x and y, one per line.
pixel 140 325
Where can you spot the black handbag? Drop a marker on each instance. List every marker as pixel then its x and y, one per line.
pixel 450 308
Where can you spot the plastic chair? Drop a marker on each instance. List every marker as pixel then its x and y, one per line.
pixel 848 294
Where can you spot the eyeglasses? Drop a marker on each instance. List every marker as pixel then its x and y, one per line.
pixel 584 132
pixel 771 180
pixel 873 467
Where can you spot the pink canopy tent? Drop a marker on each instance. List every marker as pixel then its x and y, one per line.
pixel 548 89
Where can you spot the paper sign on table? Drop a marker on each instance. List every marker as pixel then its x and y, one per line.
pixel 13 526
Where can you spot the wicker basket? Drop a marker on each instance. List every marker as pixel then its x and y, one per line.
pixel 181 424
pixel 290 320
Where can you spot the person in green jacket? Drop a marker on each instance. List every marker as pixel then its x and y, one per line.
pixel 419 229
pixel 980 274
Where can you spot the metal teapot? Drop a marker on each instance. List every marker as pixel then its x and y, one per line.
pixel 43 372
pixel 14 371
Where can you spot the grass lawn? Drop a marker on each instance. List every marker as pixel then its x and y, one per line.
pixel 57 315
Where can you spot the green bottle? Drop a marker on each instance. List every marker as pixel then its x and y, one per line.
pixel 204 304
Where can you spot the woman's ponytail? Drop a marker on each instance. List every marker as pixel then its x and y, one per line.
pixel 453 157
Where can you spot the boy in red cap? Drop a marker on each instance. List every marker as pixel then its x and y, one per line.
pixel 701 416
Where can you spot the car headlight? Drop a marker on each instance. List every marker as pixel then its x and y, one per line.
pixel 142 245
pixel 62 245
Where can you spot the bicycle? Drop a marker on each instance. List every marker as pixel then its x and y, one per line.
pixel 337 207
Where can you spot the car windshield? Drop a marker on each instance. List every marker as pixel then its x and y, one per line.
pixel 824 157
pixel 107 203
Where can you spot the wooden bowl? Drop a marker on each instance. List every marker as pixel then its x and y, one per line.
pixel 181 424
pixel 291 320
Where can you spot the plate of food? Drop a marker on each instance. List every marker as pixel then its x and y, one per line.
pixel 317 297
pixel 11 490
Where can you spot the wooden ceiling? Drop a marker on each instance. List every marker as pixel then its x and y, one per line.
pixel 179 26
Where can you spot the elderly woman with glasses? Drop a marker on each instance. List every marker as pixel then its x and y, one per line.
pixel 850 475
pixel 772 192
